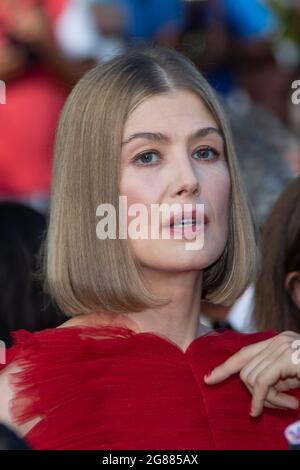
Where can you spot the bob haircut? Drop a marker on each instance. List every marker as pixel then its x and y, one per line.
pixel 84 274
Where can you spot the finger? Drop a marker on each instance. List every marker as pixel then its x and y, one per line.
pixel 262 362
pixel 282 399
pixel 236 362
pixel 264 378
pixel 279 344
pixel 269 405
pixel 266 403
pixel 260 377
pixel 287 384
pixel 273 399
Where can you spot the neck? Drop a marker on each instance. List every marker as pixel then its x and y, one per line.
pixel 179 320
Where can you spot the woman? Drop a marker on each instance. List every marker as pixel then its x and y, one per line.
pixel 126 371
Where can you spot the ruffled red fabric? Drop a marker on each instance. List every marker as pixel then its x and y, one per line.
pixel 109 387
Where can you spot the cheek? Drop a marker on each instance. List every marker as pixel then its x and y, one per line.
pixel 135 193
pixel 142 191
pixel 138 188
pixel 296 295
pixel 218 188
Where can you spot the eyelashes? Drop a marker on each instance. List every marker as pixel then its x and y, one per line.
pixel 207 154
pixel 138 158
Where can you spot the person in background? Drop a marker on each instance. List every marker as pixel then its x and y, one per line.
pixel 38 77
pixel 147 20
pixel 229 32
pixel 237 51
pixel 267 368
pixel 279 276
pixel 91 29
pixel 23 305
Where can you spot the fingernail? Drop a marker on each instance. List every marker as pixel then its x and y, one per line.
pixel 207 376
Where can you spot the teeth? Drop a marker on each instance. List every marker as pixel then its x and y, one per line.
pixel 185 222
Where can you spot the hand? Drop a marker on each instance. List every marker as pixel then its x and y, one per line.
pixel 267 368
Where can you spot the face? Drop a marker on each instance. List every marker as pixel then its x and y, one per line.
pixel 292 285
pixel 179 159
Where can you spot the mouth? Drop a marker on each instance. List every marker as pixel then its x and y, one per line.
pixel 188 219
pixel 187 223
pixel 186 230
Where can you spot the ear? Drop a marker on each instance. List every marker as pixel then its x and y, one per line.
pixel 292 286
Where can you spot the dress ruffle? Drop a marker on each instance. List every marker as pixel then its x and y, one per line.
pixel 109 387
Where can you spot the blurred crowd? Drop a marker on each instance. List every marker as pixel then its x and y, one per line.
pixel 249 50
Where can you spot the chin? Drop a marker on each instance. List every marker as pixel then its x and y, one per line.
pixel 181 263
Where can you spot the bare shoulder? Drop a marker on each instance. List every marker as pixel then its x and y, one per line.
pixel 7 394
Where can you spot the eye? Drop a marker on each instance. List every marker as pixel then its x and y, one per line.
pixel 146 158
pixel 207 153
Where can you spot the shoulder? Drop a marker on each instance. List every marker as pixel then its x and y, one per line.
pixel 7 397
pixel 38 368
pixel 6 394
pixel 247 336
pixel 233 340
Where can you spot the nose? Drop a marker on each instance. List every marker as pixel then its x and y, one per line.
pixel 185 181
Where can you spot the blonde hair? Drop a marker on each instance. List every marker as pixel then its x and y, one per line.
pixel 85 274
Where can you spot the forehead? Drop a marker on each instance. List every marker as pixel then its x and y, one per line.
pixel 175 110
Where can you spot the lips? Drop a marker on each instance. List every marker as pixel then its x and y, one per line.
pixel 194 215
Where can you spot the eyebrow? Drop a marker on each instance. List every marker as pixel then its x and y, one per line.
pixel 158 136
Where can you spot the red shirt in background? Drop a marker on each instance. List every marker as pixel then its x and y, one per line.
pixel 28 121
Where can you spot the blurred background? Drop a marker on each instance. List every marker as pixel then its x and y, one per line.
pixel 249 50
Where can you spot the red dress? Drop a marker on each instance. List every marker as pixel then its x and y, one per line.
pixel 110 387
